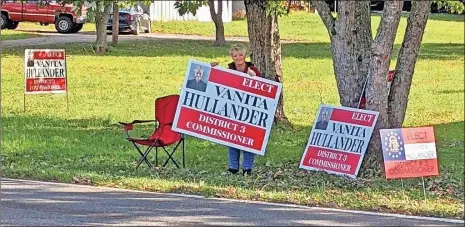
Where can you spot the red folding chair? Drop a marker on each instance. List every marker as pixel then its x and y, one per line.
pixel 163 136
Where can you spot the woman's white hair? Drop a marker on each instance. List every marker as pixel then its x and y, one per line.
pixel 238 47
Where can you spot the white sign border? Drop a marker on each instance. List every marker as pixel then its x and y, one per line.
pixel 313 128
pixel 267 132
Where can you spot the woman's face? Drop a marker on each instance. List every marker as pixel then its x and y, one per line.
pixel 238 57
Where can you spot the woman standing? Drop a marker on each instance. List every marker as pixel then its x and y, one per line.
pixel 238 53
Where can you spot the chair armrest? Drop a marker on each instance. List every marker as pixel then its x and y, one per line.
pixel 130 126
pixel 137 122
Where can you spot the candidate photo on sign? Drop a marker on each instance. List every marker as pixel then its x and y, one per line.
pixel 323 118
pixel 30 59
pixel 198 77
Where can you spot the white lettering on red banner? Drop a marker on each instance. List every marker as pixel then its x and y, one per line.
pixel 227 107
pixel 45 71
pixel 338 140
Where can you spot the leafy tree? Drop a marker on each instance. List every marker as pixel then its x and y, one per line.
pixel 186 6
pixel 265 42
pixel 452 6
pixel 99 10
pixel 357 58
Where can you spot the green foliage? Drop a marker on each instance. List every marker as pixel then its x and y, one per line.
pixel 277 8
pixel 452 6
pixel 185 7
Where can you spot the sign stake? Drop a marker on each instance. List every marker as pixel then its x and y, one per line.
pixel 424 189
pixel 402 184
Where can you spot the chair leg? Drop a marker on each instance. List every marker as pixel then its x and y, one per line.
pixel 144 158
pixel 170 156
pixel 156 156
pixel 183 162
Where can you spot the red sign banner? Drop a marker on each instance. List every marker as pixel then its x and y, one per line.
pixel 338 140
pixel 45 71
pixel 227 107
pixel 409 152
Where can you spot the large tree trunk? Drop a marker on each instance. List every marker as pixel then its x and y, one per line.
pixel 405 66
pixel 115 30
pixel 377 89
pixel 357 60
pixel 101 19
pixel 217 17
pixel 350 36
pixel 266 46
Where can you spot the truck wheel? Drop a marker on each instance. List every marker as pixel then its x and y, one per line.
pixel 76 28
pixel 3 21
pixel 64 24
pixel 12 25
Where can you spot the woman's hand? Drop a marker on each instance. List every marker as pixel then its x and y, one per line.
pixel 251 72
pixel 213 64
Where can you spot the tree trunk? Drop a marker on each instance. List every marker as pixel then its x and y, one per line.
pixel 101 19
pixel 357 58
pixel 350 36
pixel 115 31
pixel 217 18
pixel 405 66
pixel 377 89
pixel 265 44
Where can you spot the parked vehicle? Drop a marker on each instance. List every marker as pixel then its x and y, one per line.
pixel 132 19
pixel 43 11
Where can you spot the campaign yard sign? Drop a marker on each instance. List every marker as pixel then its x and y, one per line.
pixel 339 139
pixel 45 71
pixel 409 152
pixel 227 107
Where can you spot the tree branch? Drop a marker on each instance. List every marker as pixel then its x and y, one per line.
pixel 405 66
pixel 211 6
pixel 326 16
pixel 389 23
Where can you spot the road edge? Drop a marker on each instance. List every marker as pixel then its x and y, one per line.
pixel 447 220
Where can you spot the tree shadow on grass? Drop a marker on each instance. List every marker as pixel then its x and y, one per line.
pixel 204 49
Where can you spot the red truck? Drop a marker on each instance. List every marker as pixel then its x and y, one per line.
pixel 45 12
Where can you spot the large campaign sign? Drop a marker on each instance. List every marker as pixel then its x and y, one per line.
pixel 338 140
pixel 409 152
pixel 45 71
pixel 227 107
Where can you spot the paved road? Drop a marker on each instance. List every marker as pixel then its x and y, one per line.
pixel 39 203
pixel 48 38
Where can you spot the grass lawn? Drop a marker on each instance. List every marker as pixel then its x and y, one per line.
pixel 14 35
pixel 49 143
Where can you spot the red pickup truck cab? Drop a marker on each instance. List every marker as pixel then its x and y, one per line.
pixel 43 11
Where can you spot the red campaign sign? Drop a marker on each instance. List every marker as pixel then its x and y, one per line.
pixel 412 168
pixel 45 71
pixel 245 84
pixel 331 160
pixel 352 117
pixel 45 85
pixel 409 152
pixel 49 55
pixel 231 131
pixel 227 107
pixel 338 140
